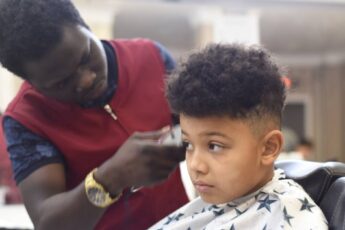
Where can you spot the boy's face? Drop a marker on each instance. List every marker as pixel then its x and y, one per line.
pixel 74 71
pixel 223 158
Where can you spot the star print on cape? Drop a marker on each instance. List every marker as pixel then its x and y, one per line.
pixel 173 218
pixel 287 217
pixel 239 212
pixel 306 205
pixel 266 203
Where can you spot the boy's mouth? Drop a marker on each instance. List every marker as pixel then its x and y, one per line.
pixel 202 187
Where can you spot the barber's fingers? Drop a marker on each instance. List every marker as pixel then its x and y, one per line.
pixel 160 172
pixel 177 153
pixel 164 152
pixel 161 175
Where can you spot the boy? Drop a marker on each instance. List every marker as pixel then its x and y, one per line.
pixel 230 99
pixel 76 131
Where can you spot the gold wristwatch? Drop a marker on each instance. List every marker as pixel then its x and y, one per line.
pixel 96 193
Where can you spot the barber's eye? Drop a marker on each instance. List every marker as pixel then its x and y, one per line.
pixel 62 84
pixel 86 58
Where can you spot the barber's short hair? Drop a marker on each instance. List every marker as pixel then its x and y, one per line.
pixel 29 29
pixel 228 79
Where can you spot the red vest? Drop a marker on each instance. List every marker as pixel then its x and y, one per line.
pixel 88 137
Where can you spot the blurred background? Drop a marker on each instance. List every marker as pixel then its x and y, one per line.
pixel 306 37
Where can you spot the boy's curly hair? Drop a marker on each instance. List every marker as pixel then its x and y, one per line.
pixel 29 29
pixel 228 79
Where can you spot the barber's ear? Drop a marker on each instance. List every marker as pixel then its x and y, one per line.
pixel 272 144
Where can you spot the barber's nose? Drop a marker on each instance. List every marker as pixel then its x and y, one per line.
pixel 86 79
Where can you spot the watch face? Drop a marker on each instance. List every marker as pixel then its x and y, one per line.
pixel 96 195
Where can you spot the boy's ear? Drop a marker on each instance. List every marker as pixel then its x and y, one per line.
pixel 272 144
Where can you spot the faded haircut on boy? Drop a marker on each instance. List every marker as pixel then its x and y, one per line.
pixel 229 80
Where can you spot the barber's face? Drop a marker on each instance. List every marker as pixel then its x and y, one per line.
pixel 74 71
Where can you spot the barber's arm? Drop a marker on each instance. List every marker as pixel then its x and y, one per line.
pixel 141 161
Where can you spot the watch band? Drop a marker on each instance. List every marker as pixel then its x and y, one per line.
pixel 96 193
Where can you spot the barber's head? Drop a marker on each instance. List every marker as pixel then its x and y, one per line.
pixel 47 43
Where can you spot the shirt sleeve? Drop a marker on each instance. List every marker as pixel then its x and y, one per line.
pixel 27 150
pixel 168 60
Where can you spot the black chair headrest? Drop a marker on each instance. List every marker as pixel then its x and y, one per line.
pixel 333 205
pixel 314 177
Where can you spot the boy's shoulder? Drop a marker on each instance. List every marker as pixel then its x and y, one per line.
pixel 298 208
pixel 284 189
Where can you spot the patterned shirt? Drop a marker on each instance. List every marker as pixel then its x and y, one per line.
pixel 28 151
pixel 280 204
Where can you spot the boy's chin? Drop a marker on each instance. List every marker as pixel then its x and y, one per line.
pixel 212 200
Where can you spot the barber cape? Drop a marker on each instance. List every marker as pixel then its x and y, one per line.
pixel 280 204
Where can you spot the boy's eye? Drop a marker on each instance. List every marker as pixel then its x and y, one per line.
pixel 215 147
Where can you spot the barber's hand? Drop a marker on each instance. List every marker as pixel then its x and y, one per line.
pixel 142 161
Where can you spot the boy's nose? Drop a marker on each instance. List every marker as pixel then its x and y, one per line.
pixel 86 80
pixel 197 163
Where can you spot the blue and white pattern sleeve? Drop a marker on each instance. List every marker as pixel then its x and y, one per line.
pixel 168 60
pixel 27 150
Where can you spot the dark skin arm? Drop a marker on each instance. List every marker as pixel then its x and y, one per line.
pixel 141 161
pixel 50 206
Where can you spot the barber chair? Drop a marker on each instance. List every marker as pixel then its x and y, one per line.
pixel 325 183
